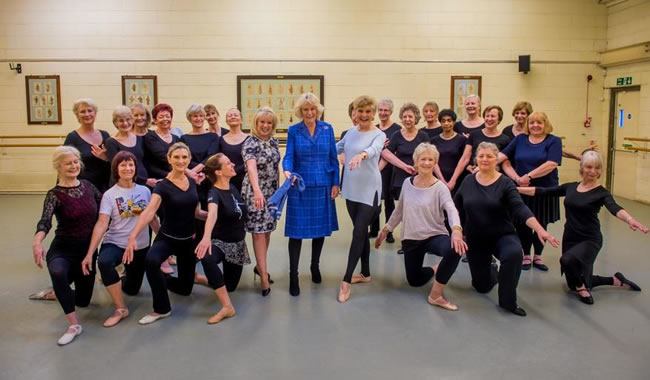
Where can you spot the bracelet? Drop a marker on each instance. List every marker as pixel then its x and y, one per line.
pixel 457 228
pixel 364 155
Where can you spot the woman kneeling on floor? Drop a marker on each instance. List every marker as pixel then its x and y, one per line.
pixel 121 206
pixel 422 203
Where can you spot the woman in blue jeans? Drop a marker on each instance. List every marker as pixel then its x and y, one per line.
pixel 119 211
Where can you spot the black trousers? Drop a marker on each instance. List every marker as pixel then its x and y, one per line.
pixel 387 196
pixel 529 239
pixel 414 252
pixel 484 276
pixel 362 216
pixel 161 249
pixel 110 256
pixel 64 259
pixel 216 278
pixel 577 262
pixel 295 245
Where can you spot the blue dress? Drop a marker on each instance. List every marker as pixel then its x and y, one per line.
pixel 526 156
pixel 311 214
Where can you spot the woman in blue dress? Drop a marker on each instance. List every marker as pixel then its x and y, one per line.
pixel 311 214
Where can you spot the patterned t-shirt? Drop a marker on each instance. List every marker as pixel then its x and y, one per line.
pixel 124 206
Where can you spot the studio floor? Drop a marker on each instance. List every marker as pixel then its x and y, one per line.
pixel 385 331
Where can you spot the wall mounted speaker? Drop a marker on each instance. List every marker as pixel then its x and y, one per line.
pixel 524 64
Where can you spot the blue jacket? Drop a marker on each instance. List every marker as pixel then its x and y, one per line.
pixel 278 199
pixel 313 157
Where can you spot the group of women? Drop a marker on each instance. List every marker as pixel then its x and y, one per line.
pixel 202 192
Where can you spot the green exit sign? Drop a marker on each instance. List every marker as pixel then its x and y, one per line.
pixel 624 81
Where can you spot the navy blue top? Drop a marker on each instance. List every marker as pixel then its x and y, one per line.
pixel 113 147
pixel 451 152
pixel 403 149
pixel 461 128
pixel 95 170
pixel 155 153
pixel 526 156
pixel 178 207
pixel 202 146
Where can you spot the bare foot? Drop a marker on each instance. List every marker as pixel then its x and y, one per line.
pixel 225 312
pixel 359 278
pixel 200 279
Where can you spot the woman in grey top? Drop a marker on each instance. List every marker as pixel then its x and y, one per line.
pixel 423 202
pixel 362 146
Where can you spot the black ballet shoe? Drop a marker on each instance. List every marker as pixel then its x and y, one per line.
pixel 400 251
pixel 589 300
pixel 294 285
pixel 627 282
pixel 526 263
pixel 537 263
pixel 256 272
pixel 389 238
pixel 517 311
pixel 316 277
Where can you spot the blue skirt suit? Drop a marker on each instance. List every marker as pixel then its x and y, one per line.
pixel 311 214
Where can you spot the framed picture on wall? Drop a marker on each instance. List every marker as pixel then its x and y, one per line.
pixel 461 87
pixel 140 89
pixel 43 99
pixel 280 92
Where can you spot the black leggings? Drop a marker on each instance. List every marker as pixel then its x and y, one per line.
pixel 216 279
pixel 484 276
pixel 295 245
pixel 161 249
pixel 577 263
pixel 110 256
pixel 389 202
pixel 362 215
pixel 64 265
pixel 529 239
pixel 414 252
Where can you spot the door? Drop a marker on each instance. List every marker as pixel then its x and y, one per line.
pixel 624 122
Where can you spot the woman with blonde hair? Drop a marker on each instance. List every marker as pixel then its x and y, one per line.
pixel 90 143
pixel 141 119
pixel 473 121
pixel 261 154
pixel 75 203
pixel 212 117
pixel 423 203
pixel 531 159
pixel 231 145
pixel 126 140
pixel 582 239
pixel 311 214
pixel 430 111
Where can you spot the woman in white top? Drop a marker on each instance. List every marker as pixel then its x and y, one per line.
pixel 362 146
pixel 422 204
pixel 121 207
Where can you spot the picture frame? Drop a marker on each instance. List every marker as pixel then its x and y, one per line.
pixel 43 94
pixel 280 92
pixel 461 87
pixel 140 89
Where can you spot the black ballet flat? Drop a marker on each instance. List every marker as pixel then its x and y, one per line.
pixel 389 238
pixel 627 282
pixel 539 265
pixel 517 311
pixel 400 251
pixel 255 271
pixel 589 300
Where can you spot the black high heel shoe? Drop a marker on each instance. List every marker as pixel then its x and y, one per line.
pixel 256 272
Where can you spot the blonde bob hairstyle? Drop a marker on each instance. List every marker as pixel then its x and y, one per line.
pixel 363 101
pixel 83 102
pixel 264 111
pixel 194 109
pixel 311 99
pixel 211 108
pixel 141 107
pixel 177 146
pixel 410 107
pixel 122 111
pixel 542 118
pixel 431 104
pixel 61 152
pixel 591 157
pixel 425 148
